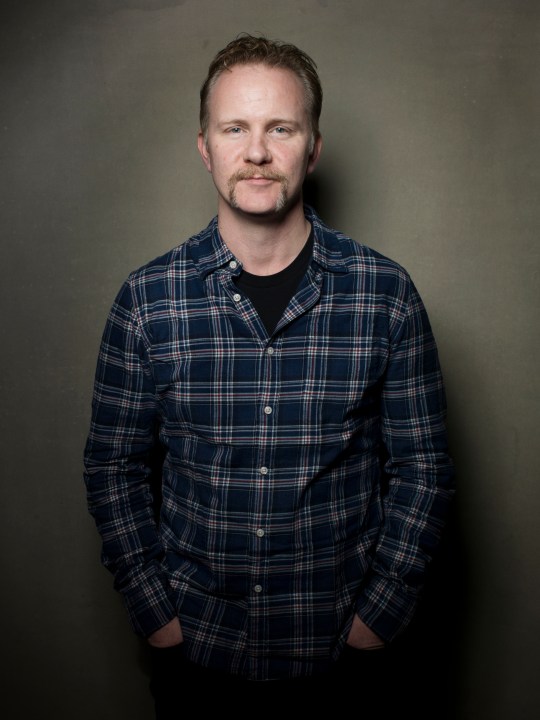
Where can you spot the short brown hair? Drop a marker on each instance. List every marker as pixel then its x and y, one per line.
pixel 250 50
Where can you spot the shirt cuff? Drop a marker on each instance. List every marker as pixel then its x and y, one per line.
pixel 386 607
pixel 149 605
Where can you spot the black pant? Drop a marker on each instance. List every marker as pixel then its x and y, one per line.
pixel 362 682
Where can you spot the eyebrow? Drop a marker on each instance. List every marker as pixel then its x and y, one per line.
pixel 273 121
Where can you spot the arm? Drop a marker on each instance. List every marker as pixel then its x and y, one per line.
pixel 418 476
pixel 118 469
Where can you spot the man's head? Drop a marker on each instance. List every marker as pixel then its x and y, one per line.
pixel 250 50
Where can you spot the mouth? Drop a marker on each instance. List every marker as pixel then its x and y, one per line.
pixel 259 179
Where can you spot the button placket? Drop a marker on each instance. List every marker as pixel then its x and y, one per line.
pixel 261 534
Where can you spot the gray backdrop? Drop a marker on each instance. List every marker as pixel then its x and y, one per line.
pixel 430 123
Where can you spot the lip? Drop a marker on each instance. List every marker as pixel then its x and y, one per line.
pixel 258 180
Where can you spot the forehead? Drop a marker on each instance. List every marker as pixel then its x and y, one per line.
pixel 257 89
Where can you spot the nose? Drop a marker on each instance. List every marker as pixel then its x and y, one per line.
pixel 257 150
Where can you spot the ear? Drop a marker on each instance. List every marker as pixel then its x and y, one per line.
pixel 314 154
pixel 203 149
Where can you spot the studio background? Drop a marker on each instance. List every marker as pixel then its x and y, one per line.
pixel 430 125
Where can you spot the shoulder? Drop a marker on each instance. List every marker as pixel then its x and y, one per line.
pixel 160 267
pixel 338 250
pixel 156 279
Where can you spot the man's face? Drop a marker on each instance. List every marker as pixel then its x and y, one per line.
pixel 259 144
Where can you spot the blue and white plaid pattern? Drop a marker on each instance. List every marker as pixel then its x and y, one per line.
pixel 306 473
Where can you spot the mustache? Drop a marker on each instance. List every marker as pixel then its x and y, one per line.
pixel 250 173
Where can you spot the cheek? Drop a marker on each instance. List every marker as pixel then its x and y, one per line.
pixel 294 161
pixel 224 160
pixel 296 171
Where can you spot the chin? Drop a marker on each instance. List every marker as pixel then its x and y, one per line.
pixel 269 212
pixel 264 209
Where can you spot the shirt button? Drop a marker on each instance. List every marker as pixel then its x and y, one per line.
pixel 268 410
pixel 270 351
pixel 258 588
pixel 259 532
pixel 233 264
pixel 237 297
pixel 263 470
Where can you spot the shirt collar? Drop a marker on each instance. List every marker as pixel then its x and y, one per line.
pixel 327 246
pixel 210 253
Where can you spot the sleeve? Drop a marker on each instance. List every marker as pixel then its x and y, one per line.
pixel 418 473
pixel 118 468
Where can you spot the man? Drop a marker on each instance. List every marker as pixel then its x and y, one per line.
pixel 291 378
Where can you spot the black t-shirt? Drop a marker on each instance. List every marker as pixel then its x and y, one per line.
pixel 271 293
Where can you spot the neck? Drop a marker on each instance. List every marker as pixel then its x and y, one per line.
pixel 264 245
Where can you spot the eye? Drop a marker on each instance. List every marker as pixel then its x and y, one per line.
pixel 280 130
pixel 234 130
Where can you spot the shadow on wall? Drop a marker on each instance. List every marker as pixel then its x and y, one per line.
pixel 319 192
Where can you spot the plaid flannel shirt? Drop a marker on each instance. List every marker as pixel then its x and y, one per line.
pixel 306 474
